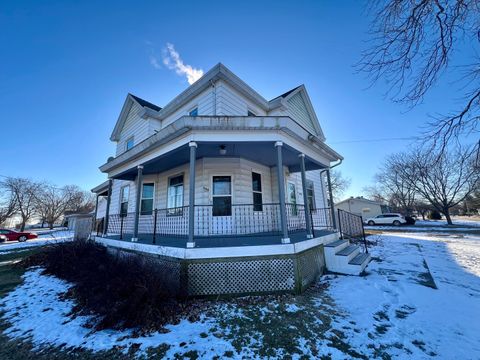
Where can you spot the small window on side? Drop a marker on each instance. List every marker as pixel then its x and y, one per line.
pixel 257 192
pixel 193 112
pixel 129 143
pixel 251 113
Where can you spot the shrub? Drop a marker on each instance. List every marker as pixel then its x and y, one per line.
pixel 124 291
pixel 434 215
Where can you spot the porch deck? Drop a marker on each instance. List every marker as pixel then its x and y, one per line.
pixel 217 241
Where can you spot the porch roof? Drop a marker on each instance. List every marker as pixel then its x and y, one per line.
pixel 260 152
pixel 254 140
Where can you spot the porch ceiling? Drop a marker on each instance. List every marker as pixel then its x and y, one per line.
pixel 260 152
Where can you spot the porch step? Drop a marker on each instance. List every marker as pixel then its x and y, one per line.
pixel 336 243
pixel 344 258
pixel 348 250
pixel 359 259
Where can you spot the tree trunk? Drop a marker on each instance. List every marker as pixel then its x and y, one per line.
pixel 423 216
pixel 50 226
pixel 446 212
pixel 22 226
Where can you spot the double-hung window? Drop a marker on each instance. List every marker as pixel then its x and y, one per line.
pixel 175 195
pixel 124 193
pixel 257 191
pixel 129 143
pixel 310 195
pixel 148 193
pixel 193 112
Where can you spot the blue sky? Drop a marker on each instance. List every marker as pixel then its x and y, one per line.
pixel 66 68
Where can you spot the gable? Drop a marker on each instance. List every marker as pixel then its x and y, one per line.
pixel 298 110
pixel 139 106
pixel 298 106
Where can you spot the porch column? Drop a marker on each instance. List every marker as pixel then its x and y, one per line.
pixel 281 193
pixel 191 196
pixel 308 219
pixel 330 194
pixel 107 211
pixel 94 222
pixel 137 202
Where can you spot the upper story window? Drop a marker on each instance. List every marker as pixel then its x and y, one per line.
pixel 251 113
pixel 124 193
pixel 175 195
pixel 146 204
pixel 257 192
pixel 193 112
pixel 129 143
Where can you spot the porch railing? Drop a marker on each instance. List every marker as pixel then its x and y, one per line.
pixel 229 220
pixel 351 228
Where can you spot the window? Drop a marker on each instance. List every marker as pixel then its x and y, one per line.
pixel 251 113
pixel 292 197
pixel 310 195
pixel 146 204
pixel 129 143
pixel 257 191
pixel 222 196
pixel 175 195
pixel 124 193
pixel 193 112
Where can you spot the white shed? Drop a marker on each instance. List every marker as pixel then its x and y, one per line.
pixel 361 206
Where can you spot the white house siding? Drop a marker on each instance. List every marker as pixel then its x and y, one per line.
pixel 231 102
pixel 204 101
pixel 134 126
pixel 298 111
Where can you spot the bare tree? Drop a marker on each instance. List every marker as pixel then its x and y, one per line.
pixel 8 204
pixel 52 202
pixel 413 44
pixel 339 184
pixel 81 201
pixel 444 180
pixel 24 192
pixel 398 191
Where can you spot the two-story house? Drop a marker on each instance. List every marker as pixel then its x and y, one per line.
pixel 222 173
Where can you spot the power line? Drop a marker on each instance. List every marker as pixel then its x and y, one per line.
pixel 375 140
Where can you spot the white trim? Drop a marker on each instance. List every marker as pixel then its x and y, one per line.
pixel 221 252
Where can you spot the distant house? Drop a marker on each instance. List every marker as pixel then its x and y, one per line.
pixel 361 206
pixel 227 186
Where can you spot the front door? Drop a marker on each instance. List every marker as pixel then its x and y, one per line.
pixel 221 205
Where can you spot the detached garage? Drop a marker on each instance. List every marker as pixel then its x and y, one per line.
pixel 363 207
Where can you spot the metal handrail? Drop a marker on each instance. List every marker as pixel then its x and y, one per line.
pixel 351 226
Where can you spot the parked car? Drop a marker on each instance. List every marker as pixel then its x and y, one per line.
pixel 3 238
pixel 387 219
pixel 13 235
pixel 410 220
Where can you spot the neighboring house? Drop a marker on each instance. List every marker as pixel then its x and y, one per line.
pixel 222 173
pixel 362 207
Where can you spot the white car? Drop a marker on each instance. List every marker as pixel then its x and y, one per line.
pixel 387 219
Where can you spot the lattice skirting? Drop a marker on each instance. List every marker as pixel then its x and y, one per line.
pixel 241 275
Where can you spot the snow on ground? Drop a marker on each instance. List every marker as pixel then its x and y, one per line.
pixel 45 321
pixel 420 299
pixel 398 307
pixel 51 238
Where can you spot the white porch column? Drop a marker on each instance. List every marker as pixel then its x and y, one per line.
pixel 137 202
pixel 308 219
pixel 191 198
pixel 281 193
pixel 107 211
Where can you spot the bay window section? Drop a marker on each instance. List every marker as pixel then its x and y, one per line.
pixel 175 195
pixel 146 203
